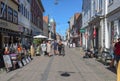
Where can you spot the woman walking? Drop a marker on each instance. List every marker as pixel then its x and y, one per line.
pixel 49 48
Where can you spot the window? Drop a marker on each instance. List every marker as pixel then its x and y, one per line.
pixel 3 11
pixel 110 1
pixel 94 10
pixel 24 11
pixel 28 15
pixel 100 5
pixel 29 1
pixel 22 8
pixel 10 14
pixel 19 8
pixel 15 17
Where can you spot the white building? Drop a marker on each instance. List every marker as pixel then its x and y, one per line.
pixel 113 18
pixel 95 24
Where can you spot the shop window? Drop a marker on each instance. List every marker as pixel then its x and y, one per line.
pixel 15 17
pixel 3 11
pixel 10 14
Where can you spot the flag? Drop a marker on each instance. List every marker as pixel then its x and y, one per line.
pixel 94 33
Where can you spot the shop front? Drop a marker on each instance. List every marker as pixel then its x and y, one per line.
pixel 11 38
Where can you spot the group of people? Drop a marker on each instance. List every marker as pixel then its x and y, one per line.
pixel 50 47
pixel 115 52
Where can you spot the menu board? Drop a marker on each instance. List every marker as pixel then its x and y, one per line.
pixel 7 61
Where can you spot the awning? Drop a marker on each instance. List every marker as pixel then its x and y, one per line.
pixel 40 36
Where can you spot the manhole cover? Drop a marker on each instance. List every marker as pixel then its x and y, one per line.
pixel 65 74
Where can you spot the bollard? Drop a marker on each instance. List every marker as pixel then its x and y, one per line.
pixel 118 71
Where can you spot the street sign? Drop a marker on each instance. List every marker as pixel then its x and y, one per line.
pixel 82 30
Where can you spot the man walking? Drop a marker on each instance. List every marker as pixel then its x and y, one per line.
pixel 55 47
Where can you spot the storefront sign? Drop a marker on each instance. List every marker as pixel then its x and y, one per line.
pixel 3 24
pixel 82 30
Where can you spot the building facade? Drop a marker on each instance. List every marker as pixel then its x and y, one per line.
pixel 101 22
pixel 24 21
pixel 45 25
pixel 95 20
pixel 9 31
pixel 113 18
pixel 37 17
pixel 86 14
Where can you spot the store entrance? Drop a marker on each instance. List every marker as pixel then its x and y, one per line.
pixel 0 41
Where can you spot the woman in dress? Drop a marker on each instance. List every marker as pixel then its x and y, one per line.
pixel 49 48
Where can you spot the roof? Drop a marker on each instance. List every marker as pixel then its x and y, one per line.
pixel 77 15
pixel 45 18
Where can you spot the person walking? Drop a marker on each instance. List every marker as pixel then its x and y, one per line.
pixel 49 50
pixel 112 54
pixel 38 49
pixel 55 47
pixel 61 48
pixel 117 51
pixel 43 48
pixel 32 50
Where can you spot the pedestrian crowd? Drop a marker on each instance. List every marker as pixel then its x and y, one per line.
pixel 50 48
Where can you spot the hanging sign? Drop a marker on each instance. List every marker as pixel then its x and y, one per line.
pixel 82 30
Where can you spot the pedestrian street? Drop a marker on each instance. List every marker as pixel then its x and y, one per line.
pixel 71 67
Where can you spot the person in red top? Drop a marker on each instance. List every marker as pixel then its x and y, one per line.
pixel 117 51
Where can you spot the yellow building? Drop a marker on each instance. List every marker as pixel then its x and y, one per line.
pixel 9 31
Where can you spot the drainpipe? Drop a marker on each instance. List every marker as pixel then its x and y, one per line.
pixel 107 44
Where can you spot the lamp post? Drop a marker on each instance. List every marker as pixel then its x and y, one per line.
pixel 69 34
pixel 49 32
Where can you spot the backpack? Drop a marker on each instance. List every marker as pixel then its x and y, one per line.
pixel 117 48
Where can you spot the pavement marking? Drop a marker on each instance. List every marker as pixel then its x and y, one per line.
pixel 47 70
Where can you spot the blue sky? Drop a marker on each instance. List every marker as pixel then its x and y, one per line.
pixel 61 12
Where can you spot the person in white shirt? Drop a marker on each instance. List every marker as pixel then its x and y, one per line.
pixel 43 48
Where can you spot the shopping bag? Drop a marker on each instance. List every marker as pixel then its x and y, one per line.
pixel 118 71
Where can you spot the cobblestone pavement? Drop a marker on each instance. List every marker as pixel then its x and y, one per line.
pixel 71 67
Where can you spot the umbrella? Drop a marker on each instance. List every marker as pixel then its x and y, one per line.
pixel 40 36
pixel 50 39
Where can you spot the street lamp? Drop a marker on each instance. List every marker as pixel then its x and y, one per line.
pixel 69 33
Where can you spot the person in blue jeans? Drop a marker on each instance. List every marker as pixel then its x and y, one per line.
pixel 55 47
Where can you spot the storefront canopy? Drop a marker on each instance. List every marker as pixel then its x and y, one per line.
pixel 40 36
